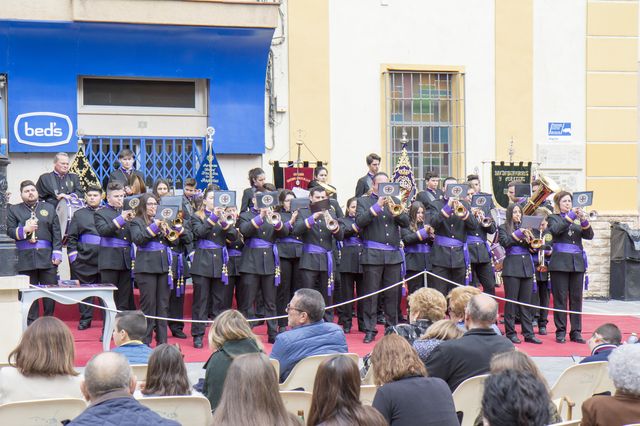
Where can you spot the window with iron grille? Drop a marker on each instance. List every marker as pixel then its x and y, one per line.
pixel 429 107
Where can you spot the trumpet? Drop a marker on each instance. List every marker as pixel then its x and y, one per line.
pixel 128 215
pixel 396 209
pixel 534 242
pixel 32 221
pixel 229 218
pixel 332 224
pixel 480 217
pixel 459 208
pixel 169 233
pixel 273 217
pixel 593 214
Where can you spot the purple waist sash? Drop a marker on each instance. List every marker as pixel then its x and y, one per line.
pixel 369 244
pixel 417 248
pixel 27 245
pixel 574 249
pixel 179 272
pixel 518 251
pixel 260 243
pixel 210 245
pixel 234 252
pixel 90 239
pixel 114 242
pixel 314 249
pixel 352 242
pixel 288 240
pixel 441 240
pixel 158 246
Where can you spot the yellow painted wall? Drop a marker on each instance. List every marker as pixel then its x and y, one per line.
pixel 612 89
pixel 514 78
pixel 611 124
pixel 605 54
pixel 599 162
pixel 612 18
pixel 613 195
pixel 309 77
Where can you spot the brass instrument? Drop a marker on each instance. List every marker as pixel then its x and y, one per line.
pixel 593 214
pixel 396 209
pixel 332 224
pixel 535 243
pixel 273 217
pixel 329 189
pixel 128 215
pixel 33 221
pixel 480 217
pixel 229 219
pixel 169 233
pixel 459 208
pixel 546 188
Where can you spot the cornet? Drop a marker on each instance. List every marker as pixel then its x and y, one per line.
pixel 169 233
pixel 396 209
pixel 332 224
pixel 273 217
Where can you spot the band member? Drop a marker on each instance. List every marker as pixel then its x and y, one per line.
pixel 289 250
pixel 160 188
pixel 541 262
pixel 318 231
pixel 480 251
pixel 260 264
pixel 431 192
pixel 126 175
pixel 474 183
pixel 451 221
pixel 511 193
pixel 350 268
pixel 235 252
pixel 546 204
pixel 83 249
pixel 209 267
pixel 568 264
pixel 382 261
pixel 321 178
pixel 365 183
pixel 189 196
pixel 257 179
pixel 116 251
pixel 153 238
pixel 417 239
pixel 517 274
pixel 36 229
pixel 59 184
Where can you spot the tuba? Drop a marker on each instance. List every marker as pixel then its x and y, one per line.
pixel 546 188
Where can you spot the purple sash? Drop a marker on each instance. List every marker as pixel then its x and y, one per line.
pixel 352 242
pixel 417 248
pixel 518 251
pixel 574 249
pixel 369 244
pixel 90 239
pixel 27 245
pixel 158 246
pixel 257 243
pixel 443 241
pixel 314 249
pixel 210 245
pixel 114 242
pixel 234 252
pixel 179 272
pixel 288 240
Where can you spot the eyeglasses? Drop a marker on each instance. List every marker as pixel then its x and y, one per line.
pixel 291 308
pixel 152 204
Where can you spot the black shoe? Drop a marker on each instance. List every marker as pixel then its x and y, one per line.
pixel 83 325
pixel 542 330
pixel 271 339
pixel 515 339
pixel 577 338
pixel 533 339
pixel 561 339
pixel 197 342
pixel 369 337
pixel 179 334
pixel 381 320
pixel 346 329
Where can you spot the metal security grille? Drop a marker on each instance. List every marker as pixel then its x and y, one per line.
pixel 429 106
pixel 171 158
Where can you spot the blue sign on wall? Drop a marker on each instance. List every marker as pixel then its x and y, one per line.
pixel 44 60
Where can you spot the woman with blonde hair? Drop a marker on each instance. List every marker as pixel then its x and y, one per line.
pixel 407 396
pixel 251 396
pixel 41 366
pixel 230 336
pixel 439 332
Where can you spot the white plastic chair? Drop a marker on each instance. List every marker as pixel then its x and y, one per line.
pixel 567 423
pixel 577 384
pixel 187 410
pixel 140 371
pixel 367 393
pixel 297 402
pixel 303 374
pixel 276 366
pixel 468 398
pixel 368 378
pixel 41 412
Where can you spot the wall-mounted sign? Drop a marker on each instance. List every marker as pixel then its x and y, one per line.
pixel 557 131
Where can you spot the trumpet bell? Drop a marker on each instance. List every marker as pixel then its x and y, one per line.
pixel 274 218
pixel 536 243
pixel 172 235
pixel 593 215
pixel 230 219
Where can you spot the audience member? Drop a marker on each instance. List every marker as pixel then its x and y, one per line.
pixel 604 339
pixel 41 366
pixel 230 336
pixel 407 396
pixel 426 306
pixel 515 398
pixel 251 395
pixel 309 334
pixel 166 373
pixel 454 361
pixel 623 407
pixel 458 299
pixel 108 386
pixel 336 396
pixel 439 332
pixel 130 328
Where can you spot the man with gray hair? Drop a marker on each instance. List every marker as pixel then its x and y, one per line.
pixel 108 386
pixel 58 184
pixel 623 408
pixel 454 361
pixel 309 334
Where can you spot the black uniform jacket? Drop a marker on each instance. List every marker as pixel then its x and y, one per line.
pixel 50 184
pixel 416 261
pixel 247 199
pixel 48 230
pixel 315 232
pixel 567 232
pixel 205 226
pixel 233 266
pixel 382 227
pixel 515 265
pixel 289 250
pixel 110 224
pixel 364 185
pixel 450 226
pixel 151 261
pixel 83 255
pixel 259 261
pixel 478 251
pixel 350 254
pixel 427 197
pixel 122 177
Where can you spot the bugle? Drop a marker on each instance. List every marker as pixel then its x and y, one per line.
pixel 332 224
pixel 169 233
pixel 273 217
pixel 396 209
pixel 480 217
pixel 459 209
pixel 534 242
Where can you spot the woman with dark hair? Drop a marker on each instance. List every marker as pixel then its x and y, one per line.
pixel 209 270
pixel 166 373
pixel 336 396
pixel 152 264
pixel 160 188
pixel 251 396
pixel 517 274
pixel 407 396
pixel 350 268
pixel 417 239
pixel 257 178
pixel 41 366
pixel 568 264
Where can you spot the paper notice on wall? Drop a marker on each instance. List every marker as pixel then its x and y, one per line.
pixel 568 180
pixel 555 156
pixel 559 131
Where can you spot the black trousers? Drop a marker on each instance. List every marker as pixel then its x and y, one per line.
pixel 289 274
pixel 485 276
pixel 176 309
pixel 348 283
pixel 229 291
pixel 567 285
pixel 541 298
pixel 86 312
pixel 375 278
pixel 318 280
pixel 205 288
pixel 456 275
pixel 41 276
pixel 122 280
pixel 250 284
pixel 154 300
pixel 519 289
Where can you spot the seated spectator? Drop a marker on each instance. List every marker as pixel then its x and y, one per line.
pixel 439 332
pixel 309 334
pixel 130 328
pixel 623 407
pixel 336 396
pixel 230 336
pixel 166 373
pixel 515 398
pixel 108 386
pixel 604 339
pixel 251 395
pixel 41 366
pixel 454 361
pixel 426 306
pixel 458 300
pixel 407 396
pixel 519 361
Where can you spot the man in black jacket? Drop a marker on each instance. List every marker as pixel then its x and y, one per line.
pixel 454 361
pixel 366 182
pixel 58 184
pixel 431 192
